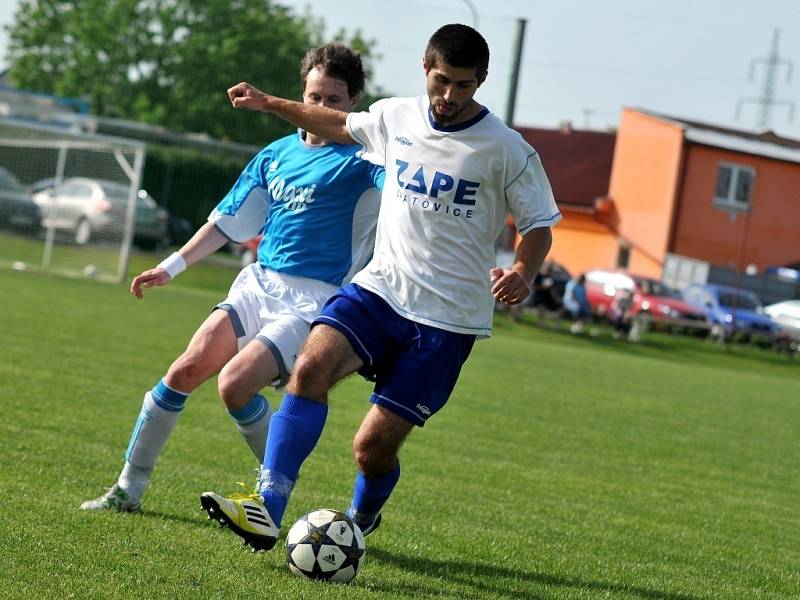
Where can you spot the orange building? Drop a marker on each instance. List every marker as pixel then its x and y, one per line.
pixel 578 165
pixel 725 196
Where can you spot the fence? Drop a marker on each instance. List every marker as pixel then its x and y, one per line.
pixel 72 203
pixel 680 271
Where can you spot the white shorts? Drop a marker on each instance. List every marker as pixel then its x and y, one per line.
pixel 277 309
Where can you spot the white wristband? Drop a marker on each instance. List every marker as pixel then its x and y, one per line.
pixel 174 265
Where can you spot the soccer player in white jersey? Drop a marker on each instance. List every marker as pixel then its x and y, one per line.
pixel 408 321
pixel 316 204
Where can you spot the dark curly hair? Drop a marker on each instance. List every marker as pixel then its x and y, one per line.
pixel 338 61
pixel 459 46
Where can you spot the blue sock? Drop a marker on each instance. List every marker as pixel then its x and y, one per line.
pixel 294 430
pixel 370 494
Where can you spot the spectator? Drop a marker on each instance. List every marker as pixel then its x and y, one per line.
pixel 622 313
pixel 576 304
pixel 546 299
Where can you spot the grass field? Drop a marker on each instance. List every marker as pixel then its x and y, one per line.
pixel 562 467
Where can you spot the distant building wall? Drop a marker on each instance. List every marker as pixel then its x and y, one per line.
pixel 581 243
pixel 768 235
pixel 644 185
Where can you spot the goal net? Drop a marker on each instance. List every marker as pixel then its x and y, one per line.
pixel 72 203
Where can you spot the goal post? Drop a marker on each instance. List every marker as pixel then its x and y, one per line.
pixel 85 189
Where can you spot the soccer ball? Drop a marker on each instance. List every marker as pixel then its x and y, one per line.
pixel 325 544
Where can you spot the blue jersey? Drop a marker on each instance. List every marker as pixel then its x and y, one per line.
pixel 316 207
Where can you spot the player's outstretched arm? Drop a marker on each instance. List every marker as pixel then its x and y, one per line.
pixel 514 285
pixel 325 122
pixel 204 242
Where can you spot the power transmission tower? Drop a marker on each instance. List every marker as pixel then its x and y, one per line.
pixel 767 99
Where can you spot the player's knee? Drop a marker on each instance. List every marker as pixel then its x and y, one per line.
pixel 371 457
pixel 311 377
pixel 231 391
pixel 186 374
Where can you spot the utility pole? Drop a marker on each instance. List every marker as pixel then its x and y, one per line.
pixel 587 115
pixel 514 77
pixel 476 24
pixel 767 99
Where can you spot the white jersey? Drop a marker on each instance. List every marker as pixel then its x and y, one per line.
pixel 447 195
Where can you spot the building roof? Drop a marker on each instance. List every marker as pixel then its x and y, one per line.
pixel 578 163
pixel 759 143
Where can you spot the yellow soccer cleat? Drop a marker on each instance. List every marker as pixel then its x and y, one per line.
pixel 246 515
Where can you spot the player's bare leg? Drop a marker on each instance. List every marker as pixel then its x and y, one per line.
pixel 378 441
pixel 294 431
pixel 212 345
pixel 239 383
pixel 326 359
pixel 375 450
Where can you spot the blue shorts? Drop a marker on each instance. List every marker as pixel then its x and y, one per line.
pixel 414 366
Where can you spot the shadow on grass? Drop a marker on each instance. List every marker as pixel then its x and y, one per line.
pixel 498 581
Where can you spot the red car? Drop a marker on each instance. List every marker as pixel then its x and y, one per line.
pixel 651 297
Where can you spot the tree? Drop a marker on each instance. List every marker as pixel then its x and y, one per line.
pixel 165 62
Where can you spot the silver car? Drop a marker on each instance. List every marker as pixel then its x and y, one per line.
pixel 787 315
pixel 94 209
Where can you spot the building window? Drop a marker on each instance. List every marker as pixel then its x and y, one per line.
pixel 734 186
pixel 623 255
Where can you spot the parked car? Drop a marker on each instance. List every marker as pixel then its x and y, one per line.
pixel 548 286
pixel 790 272
pixel 90 209
pixel 734 313
pixel 180 230
pixel 18 211
pixel 662 304
pixel 787 315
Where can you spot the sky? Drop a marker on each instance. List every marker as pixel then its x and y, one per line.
pixel 583 60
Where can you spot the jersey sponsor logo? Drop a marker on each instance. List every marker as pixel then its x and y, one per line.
pixel 440 183
pixel 441 193
pixel 403 141
pixel 297 198
pixel 425 203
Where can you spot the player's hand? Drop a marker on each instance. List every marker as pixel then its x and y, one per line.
pixel 147 279
pixel 508 286
pixel 244 95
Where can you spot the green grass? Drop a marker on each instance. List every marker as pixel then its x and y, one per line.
pixel 217 272
pixel 562 467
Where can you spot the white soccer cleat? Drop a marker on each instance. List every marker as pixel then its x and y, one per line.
pixel 114 499
pixel 246 515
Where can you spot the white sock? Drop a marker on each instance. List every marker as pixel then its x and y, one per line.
pixel 252 421
pixel 160 410
pixel 134 480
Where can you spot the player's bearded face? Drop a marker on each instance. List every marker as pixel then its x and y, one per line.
pixel 450 91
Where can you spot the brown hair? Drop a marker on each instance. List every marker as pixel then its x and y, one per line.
pixel 337 61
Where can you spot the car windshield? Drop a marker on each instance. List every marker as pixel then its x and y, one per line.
pixel 739 299
pixel 651 287
pixel 118 193
pixel 9 182
pixel 115 191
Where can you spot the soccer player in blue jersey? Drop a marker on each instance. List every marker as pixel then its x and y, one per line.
pixel 316 204
pixel 409 319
